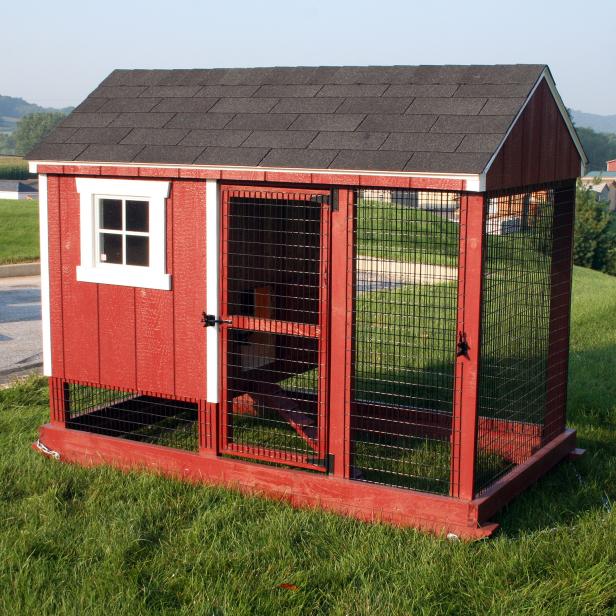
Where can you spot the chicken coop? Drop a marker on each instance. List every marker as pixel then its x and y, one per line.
pixel 344 287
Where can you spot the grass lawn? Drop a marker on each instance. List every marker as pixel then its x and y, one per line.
pixel 98 541
pixel 19 231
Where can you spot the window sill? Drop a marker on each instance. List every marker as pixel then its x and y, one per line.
pixel 125 276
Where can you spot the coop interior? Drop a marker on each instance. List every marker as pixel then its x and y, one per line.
pixel 404 339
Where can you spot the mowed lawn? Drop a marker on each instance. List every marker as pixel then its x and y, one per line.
pixel 19 231
pixel 98 541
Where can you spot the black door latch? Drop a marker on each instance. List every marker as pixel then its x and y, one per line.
pixel 209 320
pixel 462 345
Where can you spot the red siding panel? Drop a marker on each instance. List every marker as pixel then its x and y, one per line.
pixel 154 336
pixel 79 299
pixel 189 287
pixel 538 150
pixel 116 321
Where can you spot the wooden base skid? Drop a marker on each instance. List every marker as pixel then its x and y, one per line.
pixel 441 515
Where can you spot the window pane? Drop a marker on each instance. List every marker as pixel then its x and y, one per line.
pixel 137 250
pixel 111 248
pixel 110 214
pixel 137 216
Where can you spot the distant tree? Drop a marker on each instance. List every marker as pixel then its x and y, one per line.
pixel 599 147
pixel 7 144
pixel 595 232
pixel 33 127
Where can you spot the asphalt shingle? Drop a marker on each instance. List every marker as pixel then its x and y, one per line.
pixel 110 153
pixel 138 105
pixel 471 124
pixel 299 159
pixel 414 118
pixel 244 157
pixel 423 142
pixel 374 105
pixel 362 159
pixel 143 120
pixel 327 121
pixel 244 105
pixel 155 136
pixel 280 139
pixel 262 121
pixel 186 105
pixel 223 138
pixel 199 120
pixel 86 120
pixel 107 135
pixel 180 154
pixel 446 106
pixel 308 105
pixel 336 140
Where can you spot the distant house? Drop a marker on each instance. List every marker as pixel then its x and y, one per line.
pixel 18 189
pixel 603 183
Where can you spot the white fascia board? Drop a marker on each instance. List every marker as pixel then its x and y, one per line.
pixel 44 252
pixel 471 179
pixel 547 76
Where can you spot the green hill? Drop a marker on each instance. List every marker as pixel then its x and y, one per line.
pixel 12 109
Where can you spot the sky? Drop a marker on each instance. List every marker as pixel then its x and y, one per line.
pixel 55 53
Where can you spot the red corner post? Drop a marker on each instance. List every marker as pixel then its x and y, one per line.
pixel 341 331
pixel 560 310
pixel 470 278
pixel 58 401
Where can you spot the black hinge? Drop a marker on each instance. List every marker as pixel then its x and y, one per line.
pixel 335 200
pixel 209 320
pixel 462 345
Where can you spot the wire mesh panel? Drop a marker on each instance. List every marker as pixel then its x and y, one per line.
pixel 274 296
pixel 515 330
pixel 404 337
pixel 131 415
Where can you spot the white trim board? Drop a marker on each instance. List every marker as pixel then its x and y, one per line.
pixel 473 180
pixel 45 301
pixel 90 269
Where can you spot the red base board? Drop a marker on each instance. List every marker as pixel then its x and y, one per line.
pixel 375 503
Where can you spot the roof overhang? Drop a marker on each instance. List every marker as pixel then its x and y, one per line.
pixel 546 76
pixel 472 182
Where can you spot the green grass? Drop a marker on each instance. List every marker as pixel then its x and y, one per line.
pixel 98 541
pixel 19 231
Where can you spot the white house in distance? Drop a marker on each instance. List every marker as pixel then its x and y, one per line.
pixel 603 183
pixel 18 189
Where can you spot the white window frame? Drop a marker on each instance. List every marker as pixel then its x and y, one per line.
pixel 91 269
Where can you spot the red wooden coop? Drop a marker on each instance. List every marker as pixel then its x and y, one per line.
pixel 345 287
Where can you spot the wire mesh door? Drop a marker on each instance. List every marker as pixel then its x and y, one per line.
pixel 275 248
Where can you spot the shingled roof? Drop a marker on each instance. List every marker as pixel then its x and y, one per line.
pixel 448 119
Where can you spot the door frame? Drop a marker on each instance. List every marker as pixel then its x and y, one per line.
pixel 318 461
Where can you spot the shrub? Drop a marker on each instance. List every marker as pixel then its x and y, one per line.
pixel 595 232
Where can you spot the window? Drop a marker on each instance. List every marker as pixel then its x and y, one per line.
pixel 123 232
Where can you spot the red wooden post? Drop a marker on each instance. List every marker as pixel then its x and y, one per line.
pixel 341 333
pixel 560 311
pixel 58 400
pixel 470 278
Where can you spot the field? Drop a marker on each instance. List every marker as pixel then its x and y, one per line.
pixel 14 168
pixel 19 229
pixel 98 541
